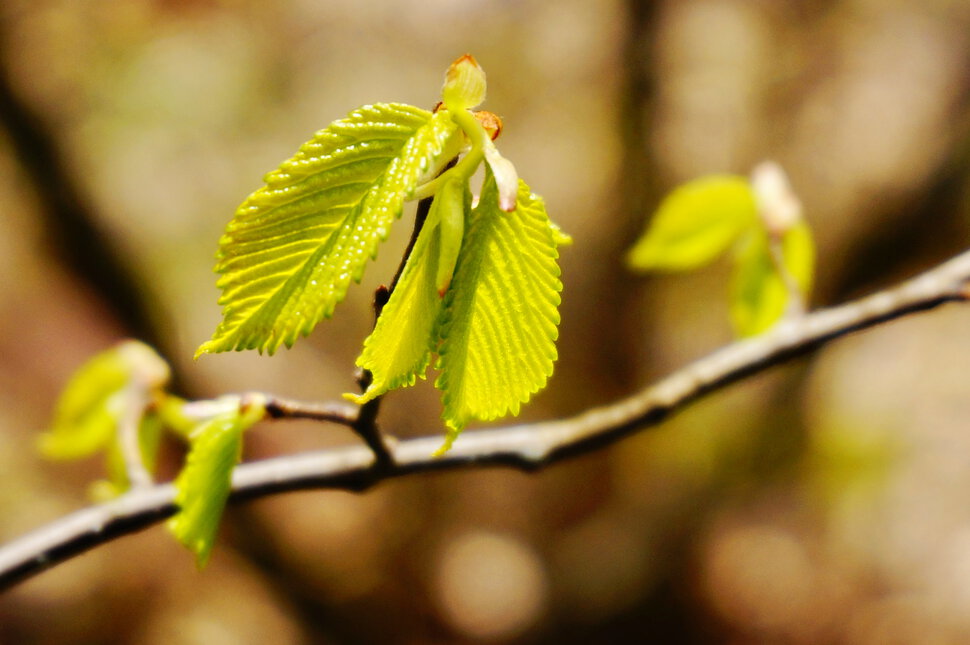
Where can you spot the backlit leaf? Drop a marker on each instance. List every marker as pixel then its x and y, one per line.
pixel 294 245
pixel 694 224
pixel 464 84
pixel 204 483
pixel 499 328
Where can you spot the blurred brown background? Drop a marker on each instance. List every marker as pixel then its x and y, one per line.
pixel 823 502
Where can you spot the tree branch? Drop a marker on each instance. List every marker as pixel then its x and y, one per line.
pixel 528 447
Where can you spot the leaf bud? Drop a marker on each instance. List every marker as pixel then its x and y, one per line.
pixel 778 206
pixel 464 84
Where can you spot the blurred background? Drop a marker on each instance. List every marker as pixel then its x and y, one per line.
pixel 821 502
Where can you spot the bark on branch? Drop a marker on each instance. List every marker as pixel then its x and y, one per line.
pixel 527 446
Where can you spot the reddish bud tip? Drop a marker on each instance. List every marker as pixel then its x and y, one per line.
pixel 491 122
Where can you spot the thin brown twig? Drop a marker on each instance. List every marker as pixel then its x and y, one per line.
pixel 529 446
pixel 332 412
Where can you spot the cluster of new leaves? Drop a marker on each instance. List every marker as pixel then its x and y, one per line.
pixel 117 404
pixel 480 287
pixel 112 399
pixel 757 221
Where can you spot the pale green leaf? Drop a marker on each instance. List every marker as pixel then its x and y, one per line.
pixel 759 296
pixel 694 224
pixel 399 349
pixel 499 328
pixel 293 247
pixel 96 397
pixel 203 486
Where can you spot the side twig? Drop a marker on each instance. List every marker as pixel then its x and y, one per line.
pixel 528 447
pixel 340 413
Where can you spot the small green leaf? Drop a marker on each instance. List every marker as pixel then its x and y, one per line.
pixel 203 485
pixel 399 349
pixel 694 224
pixel 96 397
pixel 499 328
pixel 759 296
pixel 293 247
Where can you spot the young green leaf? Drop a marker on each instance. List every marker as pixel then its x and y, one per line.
pixel 694 224
pixel 96 397
pixel 203 485
pixel 759 295
pixel 399 349
pixel 290 252
pixel 498 331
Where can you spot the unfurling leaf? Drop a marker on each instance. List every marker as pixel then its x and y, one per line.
pixel 293 247
pixel 464 86
pixel 204 483
pixel 499 328
pixel 98 395
pixel 695 223
pixel 759 295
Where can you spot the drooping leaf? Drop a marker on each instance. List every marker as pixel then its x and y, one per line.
pixel 290 252
pixel 204 483
pixel 499 328
pixel 694 224
pixel 399 349
pixel 98 396
pixel 759 295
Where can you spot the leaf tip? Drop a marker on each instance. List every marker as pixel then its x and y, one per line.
pixel 359 399
pixel 446 446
